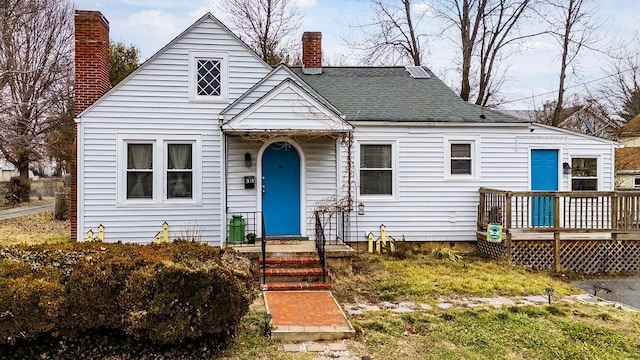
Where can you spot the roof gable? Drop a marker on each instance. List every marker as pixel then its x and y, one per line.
pixel 208 17
pixel 265 85
pixel 287 107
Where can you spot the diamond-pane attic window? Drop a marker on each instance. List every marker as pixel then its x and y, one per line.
pixel 417 72
pixel 209 78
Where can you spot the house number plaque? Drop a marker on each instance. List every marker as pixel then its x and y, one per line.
pixel 249 182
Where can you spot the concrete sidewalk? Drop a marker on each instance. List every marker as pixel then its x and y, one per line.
pixel 24 211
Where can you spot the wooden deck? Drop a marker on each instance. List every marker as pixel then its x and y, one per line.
pixel 577 231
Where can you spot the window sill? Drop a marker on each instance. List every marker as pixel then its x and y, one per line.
pixel 166 203
pixel 461 178
pixel 378 198
pixel 209 100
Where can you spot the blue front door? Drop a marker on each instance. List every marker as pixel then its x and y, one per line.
pixel 281 189
pixel 544 177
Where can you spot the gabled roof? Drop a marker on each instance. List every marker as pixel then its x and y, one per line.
pixel 287 107
pixel 205 17
pixel 632 127
pixel 628 159
pixel 391 94
pixel 279 70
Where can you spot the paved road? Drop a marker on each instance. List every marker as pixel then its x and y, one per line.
pixel 24 210
pixel 622 290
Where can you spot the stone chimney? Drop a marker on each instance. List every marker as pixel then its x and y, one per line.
pixel 312 53
pixel 90 83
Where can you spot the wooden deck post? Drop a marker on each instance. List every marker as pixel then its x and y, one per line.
pixel 507 224
pixel 556 232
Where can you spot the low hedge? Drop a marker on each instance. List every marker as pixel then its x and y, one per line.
pixel 166 293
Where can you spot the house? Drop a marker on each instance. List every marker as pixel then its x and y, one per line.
pixel 627 162
pixel 7 170
pixel 208 138
pixel 585 119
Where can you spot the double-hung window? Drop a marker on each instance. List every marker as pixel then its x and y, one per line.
pixel 179 171
pixel 376 169
pixel 140 170
pixel 461 158
pixel 159 169
pixel 208 76
pixel 584 173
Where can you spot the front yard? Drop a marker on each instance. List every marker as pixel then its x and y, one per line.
pixel 561 330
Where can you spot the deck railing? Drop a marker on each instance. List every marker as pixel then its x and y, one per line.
pixel 564 211
pixel 244 228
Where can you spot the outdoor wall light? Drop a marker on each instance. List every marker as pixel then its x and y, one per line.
pixel 247 159
pixel 360 208
pixel 566 169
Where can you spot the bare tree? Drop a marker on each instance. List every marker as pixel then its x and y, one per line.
pixel 392 35
pixel 486 28
pixel 573 25
pixel 266 26
pixel 622 91
pixel 36 62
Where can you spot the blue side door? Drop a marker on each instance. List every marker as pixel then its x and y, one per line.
pixel 281 189
pixel 544 177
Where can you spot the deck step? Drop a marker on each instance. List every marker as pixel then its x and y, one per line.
pixel 289 286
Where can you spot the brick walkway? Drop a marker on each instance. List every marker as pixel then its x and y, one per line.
pixel 304 308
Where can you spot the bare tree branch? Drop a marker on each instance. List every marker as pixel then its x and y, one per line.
pixel 36 63
pixel 266 26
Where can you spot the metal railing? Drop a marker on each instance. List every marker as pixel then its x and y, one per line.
pixel 263 242
pixel 242 228
pixel 321 243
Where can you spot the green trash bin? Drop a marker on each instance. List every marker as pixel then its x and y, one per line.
pixel 236 229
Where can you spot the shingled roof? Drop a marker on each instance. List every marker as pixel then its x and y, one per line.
pixel 391 94
pixel 628 158
pixel 632 127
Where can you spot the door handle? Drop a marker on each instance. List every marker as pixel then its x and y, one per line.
pixel 263 190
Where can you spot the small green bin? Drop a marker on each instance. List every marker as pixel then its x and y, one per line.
pixel 236 229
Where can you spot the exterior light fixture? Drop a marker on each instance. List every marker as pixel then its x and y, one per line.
pixel 566 168
pixel 549 292
pixel 360 208
pixel 247 159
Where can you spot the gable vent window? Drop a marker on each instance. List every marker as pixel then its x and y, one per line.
pixel 209 77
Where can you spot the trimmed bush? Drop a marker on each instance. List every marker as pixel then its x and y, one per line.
pixel 167 293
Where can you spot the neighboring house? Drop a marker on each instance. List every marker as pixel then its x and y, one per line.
pixel 205 129
pixel 7 170
pixel 628 157
pixel 584 119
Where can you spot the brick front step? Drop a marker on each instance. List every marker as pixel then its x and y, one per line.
pixel 290 261
pixel 288 286
pixel 293 271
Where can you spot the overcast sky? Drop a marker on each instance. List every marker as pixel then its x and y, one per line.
pixel 532 74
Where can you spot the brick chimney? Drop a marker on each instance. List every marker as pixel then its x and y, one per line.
pixel 90 83
pixel 312 53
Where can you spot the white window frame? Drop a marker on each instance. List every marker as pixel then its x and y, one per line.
pixel 194 56
pixel 474 145
pixel 598 171
pixel 160 166
pixel 394 170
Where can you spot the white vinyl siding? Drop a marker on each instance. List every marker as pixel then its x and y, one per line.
pixel 432 207
pixel 155 100
pixel 320 173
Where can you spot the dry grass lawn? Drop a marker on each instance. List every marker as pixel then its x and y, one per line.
pixel 34 229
